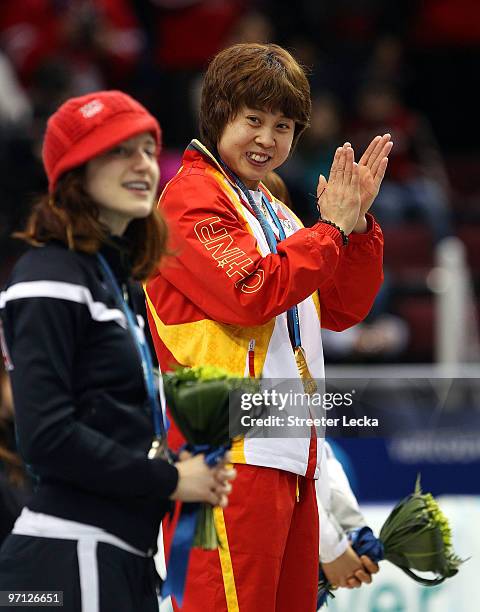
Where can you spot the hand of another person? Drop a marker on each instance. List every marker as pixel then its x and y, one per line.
pixel 339 199
pixel 197 482
pixel 369 568
pixel 349 570
pixel 340 572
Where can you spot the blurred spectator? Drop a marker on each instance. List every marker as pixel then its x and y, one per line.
pixel 416 183
pixel 58 49
pixel 14 486
pixel 448 22
pixel 382 340
pixel 386 63
pixel 22 177
pixel 51 83
pixel 445 52
pixel 101 39
pixel 184 35
pixel 15 106
pixel 253 26
pixel 378 339
pixel 15 117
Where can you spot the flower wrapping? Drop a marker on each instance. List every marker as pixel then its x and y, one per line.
pixel 415 536
pixel 198 399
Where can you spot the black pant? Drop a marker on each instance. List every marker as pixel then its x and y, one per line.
pixel 127 582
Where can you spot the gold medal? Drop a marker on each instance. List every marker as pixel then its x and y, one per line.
pixel 159 449
pixel 309 384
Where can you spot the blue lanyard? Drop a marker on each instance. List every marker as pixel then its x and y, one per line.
pixel 142 348
pixel 292 313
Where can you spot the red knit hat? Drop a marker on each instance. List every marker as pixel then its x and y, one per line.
pixel 90 125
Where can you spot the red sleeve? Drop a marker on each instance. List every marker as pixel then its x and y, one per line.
pixel 217 266
pixel 348 295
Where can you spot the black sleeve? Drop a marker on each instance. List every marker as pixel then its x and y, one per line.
pixel 41 335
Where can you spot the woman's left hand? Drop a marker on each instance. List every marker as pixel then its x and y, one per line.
pixel 372 166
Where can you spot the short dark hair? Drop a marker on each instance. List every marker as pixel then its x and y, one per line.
pixel 72 217
pixel 261 76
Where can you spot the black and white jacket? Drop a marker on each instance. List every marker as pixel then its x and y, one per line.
pixel 83 421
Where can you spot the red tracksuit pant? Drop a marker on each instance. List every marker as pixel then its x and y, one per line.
pixel 271 560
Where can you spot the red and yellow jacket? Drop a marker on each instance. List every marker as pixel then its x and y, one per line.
pixel 222 292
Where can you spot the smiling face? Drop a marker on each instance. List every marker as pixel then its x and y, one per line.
pixel 123 182
pixel 256 142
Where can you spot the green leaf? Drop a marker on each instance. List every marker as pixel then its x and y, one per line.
pixel 206 536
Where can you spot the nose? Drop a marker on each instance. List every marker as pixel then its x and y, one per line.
pixel 141 160
pixel 265 137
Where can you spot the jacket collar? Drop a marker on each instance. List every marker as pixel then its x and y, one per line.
pixel 209 157
pixel 117 251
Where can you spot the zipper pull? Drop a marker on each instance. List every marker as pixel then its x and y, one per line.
pixel 251 358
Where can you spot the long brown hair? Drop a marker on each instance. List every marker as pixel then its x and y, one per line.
pixel 13 464
pixel 259 76
pixel 71 216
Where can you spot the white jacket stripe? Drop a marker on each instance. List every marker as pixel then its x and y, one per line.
pixel 63 291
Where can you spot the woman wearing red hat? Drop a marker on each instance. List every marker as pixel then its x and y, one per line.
pixel 85 400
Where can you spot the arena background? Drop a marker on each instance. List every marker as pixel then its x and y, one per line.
pixel 408 67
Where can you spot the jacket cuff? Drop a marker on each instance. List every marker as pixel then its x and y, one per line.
pixel 372 229
pixel 164 477
pixel 323 229
pixel 335 551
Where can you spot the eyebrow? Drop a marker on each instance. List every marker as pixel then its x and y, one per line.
pixel 264 110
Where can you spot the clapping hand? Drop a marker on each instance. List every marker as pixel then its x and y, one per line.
pixel 339 199
pixel 371 170
pixel 372 166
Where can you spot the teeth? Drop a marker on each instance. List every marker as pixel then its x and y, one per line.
pixel 258 157
pixel 137 185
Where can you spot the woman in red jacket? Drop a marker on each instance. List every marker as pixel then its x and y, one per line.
pixel 247 289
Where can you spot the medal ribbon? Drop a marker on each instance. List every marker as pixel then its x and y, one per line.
pixel 142 348
pixel 292 313
pixel 293 321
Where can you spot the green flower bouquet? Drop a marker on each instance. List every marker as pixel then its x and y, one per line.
pixel 415 536
pixel 198 399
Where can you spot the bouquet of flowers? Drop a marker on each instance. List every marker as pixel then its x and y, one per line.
pixel 198 399
pixel 415 536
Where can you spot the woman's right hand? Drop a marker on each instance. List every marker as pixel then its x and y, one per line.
pixel 197 482
pixel 339 199
pixel 341 571
pixel 349 570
